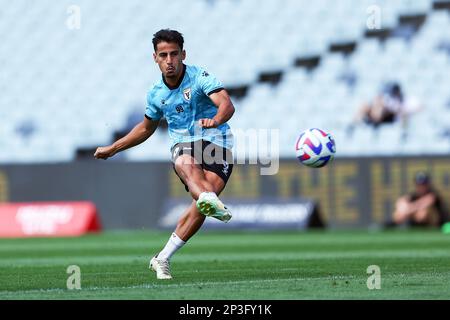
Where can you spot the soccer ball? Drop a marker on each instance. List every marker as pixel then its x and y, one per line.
pixel 315 148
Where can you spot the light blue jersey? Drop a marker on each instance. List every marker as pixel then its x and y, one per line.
pixel 185 104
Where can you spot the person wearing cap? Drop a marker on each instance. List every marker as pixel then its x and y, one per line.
pixel 423 207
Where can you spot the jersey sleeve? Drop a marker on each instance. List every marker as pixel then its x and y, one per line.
pixel 152 111
pixel 209 84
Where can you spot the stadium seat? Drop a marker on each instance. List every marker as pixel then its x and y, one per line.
pixel 88 80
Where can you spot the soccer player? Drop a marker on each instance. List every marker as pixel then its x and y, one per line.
pixel 196 107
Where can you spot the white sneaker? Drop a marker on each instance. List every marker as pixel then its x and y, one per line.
pixel 210 205
pixel 161 267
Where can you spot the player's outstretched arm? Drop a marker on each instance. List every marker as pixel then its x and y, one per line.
pixel 141 132
pixel 225 110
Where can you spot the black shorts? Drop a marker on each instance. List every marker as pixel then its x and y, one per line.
pixel 387 117
pixel 209 156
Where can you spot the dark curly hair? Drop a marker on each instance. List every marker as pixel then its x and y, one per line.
pixel 168 35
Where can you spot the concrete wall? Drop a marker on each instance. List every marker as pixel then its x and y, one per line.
pixel 351 192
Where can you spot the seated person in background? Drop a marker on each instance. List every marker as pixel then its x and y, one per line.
pixel 423 207
pixel 386 107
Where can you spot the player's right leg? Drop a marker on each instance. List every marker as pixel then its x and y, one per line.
pixel 187 226
pixel 189 223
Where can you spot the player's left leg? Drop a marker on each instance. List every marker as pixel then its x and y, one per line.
pixel 192 219
pixel 189 223
pixel 209 203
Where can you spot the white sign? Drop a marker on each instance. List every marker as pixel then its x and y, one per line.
pixel 43 219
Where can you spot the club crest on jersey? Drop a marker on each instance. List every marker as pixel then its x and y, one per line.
pixel 187 94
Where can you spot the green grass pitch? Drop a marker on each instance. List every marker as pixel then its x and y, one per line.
pixel 231 265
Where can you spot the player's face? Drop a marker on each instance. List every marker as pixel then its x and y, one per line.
pixel 169 58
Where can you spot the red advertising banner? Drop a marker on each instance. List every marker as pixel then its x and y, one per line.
pixel 47 219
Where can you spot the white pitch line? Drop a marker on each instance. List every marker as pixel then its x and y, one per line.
pixel 227 256
pixel 176 285
pixel 256 241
